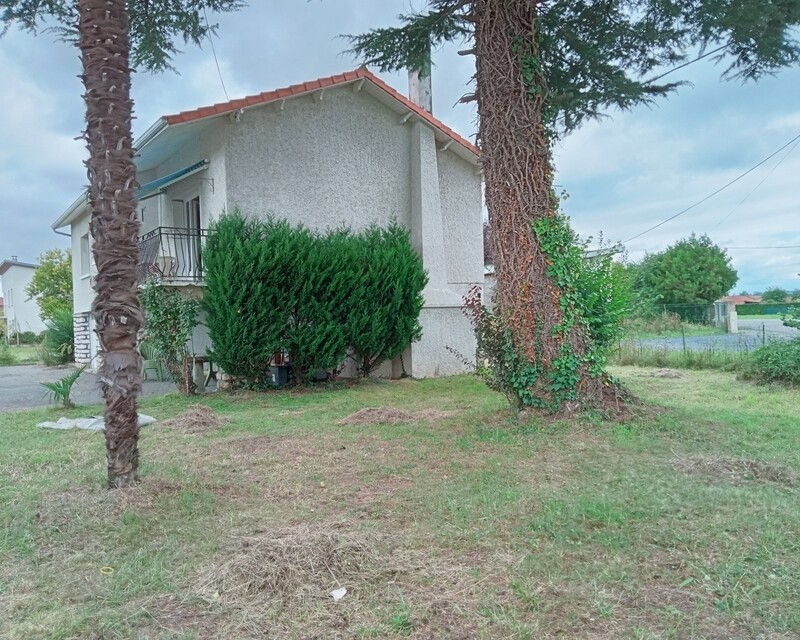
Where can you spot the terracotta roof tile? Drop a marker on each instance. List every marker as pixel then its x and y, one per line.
pixel 297 89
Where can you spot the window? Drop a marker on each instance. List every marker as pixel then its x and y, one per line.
pixel 10 298
pixel 85 255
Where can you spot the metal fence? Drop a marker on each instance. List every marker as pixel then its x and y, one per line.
pixel 700 328
pixel 172 254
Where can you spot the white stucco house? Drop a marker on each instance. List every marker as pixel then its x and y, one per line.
pixel 342 150
pixel 21 313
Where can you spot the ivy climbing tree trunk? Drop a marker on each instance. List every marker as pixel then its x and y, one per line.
pixel 533 298
pixel 104 41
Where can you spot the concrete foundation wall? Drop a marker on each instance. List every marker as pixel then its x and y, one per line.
pixel 445 330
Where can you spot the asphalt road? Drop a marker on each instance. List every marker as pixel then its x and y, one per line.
pixel 752 334
pixel 20 388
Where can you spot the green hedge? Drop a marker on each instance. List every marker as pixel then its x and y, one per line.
pixel 272 287
pixel 767 309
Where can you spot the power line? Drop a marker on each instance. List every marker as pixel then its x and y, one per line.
pixel 708 197
pixel 214 51
pixel 788 246
pixel 685 64
pixel 741 202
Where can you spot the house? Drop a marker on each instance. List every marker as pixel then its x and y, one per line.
pixel 21 313
pixel 740 299
pixel 341 150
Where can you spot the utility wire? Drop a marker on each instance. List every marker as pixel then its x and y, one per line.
pixel 214 51
pixel 686 64
pixel 741 202
pixel 788 246
pixel 708 197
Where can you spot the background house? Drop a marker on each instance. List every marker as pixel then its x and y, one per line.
pixel 343 150
pixel 21 314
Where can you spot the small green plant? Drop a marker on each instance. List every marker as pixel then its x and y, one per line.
pixel 6 356
pixel 401 621
pixel 775 362
pixel 792 319
pixel 60 391
pixel 170 318
pixel 58 345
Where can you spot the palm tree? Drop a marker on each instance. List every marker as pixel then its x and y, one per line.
pixel 105 40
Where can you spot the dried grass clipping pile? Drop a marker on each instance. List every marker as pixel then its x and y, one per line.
pixel 197 418
pixel 734 469
pixel 390 415
pixel 667 373
pixel 305 563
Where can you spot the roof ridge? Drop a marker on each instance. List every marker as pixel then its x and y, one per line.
pixel 281 93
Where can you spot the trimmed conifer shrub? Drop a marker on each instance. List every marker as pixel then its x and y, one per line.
pixel 272 287
pixel 246 312
pixel 387 297
pixel 320 283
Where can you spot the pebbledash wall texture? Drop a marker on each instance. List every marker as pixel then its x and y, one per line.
pixel 351 157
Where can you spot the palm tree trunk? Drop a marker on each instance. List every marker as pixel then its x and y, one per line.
pixel 105 45
pixel 518 173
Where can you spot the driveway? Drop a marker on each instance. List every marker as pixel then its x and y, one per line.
pixel 20 388
pixel 773 327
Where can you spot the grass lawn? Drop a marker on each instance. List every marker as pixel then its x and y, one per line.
pixel 467 522
pixel 24 354
pixel 689 330
pixel 763 316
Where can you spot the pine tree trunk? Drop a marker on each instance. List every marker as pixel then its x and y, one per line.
pixel 515 154
pixel 105 45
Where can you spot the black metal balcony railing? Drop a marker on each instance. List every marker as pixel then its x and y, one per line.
pixel 172 254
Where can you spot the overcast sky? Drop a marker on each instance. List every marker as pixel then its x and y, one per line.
pixel 623 174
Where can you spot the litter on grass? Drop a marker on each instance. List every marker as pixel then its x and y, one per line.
pixel 92 423
pixel 338 594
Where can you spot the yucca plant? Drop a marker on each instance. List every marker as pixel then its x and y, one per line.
pixel 60 391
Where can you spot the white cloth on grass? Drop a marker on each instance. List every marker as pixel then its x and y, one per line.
pixel 92 423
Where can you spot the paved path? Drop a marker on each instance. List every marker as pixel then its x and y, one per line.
pixel 20 388
pixel 770 327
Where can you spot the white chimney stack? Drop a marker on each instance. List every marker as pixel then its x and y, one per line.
pixel 419 89
pixel 419 85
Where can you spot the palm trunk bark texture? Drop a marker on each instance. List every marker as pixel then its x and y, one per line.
pixel 104 42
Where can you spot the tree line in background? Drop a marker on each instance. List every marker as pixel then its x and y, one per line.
pixel 775 295
pixel 693 271
pixel 274 288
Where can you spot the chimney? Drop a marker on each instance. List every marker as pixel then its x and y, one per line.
pixel 419 86
pixel 14 259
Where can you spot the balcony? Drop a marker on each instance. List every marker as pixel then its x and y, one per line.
pixel 172 255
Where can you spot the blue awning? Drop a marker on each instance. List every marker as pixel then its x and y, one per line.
pixel 154 186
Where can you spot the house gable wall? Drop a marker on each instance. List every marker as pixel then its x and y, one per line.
pixel 341 160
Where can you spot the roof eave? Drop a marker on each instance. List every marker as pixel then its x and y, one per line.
pixel 75 210
pixel 151 134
